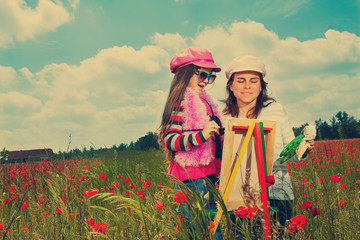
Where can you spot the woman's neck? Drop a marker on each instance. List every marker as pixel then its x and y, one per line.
pixel 245 108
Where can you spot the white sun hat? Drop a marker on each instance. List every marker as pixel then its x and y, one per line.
pixel 246 63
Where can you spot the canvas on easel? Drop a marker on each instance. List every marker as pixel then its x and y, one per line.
pixel 246 187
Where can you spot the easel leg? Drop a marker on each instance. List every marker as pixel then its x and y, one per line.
pixel 261 174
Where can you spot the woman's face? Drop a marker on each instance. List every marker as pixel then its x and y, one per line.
pixel 246 87
pixel 195 84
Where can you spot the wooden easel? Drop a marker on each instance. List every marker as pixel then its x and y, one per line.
pixel 231 184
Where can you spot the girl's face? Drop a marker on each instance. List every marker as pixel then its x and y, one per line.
pixel 246 87
pixel 195 84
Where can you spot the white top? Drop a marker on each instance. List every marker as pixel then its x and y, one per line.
pixel 282 189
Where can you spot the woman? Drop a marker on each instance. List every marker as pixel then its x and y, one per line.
pixel 189 129
pixel 248 98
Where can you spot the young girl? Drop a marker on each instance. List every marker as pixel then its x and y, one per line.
pixel 247 98
pixel 189 129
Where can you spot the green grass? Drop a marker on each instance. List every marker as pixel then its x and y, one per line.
pixel 136 183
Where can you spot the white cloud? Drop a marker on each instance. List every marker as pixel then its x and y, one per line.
pixel 118 87
pixel 319 75
pixel 8 76
pixel 168 41
pixel 15 103
pixel 21 22
pixel 119 94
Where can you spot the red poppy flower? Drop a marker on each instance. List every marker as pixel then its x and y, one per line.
pixel 147 184
pixel 119 176
pixel 126 179
pixel 41 201
pixel 211 225
pixel 71 216
pixel 299 221
pixel 252 211
pixel 306 205
pixel 102 176
pixel 269 180
pixel 91 221
pixel 100 227
pixel 140 193
pixel 358 181
pixel 59 211
pixel 46 213
pixel 343 186
pixel 1 226
pixel 315 212
pixel 292 228
pixel 25 205
pixel 159 185
pixel 181 219
pixel 91 192
pixel 159 205
pixel 177 229
pixel 341 202
pixel 26 227
pixel 242 211
pixel 180 197
pixel 336 178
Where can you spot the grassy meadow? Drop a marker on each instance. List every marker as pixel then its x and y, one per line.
pixel 128 195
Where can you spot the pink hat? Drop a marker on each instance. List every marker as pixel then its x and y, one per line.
pixel 193 55
pixel 247 63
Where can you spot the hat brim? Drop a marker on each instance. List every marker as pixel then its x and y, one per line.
pixel 243 69
pixel 203 64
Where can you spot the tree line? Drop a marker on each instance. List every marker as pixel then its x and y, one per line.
pixel 340 126
pixel 147 142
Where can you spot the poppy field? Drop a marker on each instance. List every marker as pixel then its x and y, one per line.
pixel 128 195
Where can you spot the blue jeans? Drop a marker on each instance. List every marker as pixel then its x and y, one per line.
pixel 198 186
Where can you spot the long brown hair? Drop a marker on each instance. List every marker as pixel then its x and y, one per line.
pixel 232 108
pixel 177 88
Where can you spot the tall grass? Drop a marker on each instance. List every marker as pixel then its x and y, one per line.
pixel 128 195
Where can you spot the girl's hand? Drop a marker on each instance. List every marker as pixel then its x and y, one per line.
pixel 310 148
pixel 210 129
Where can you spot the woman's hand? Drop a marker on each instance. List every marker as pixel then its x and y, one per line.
pixel 210 129
pixel 310 148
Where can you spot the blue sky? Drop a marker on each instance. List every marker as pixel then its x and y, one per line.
pixel 99 70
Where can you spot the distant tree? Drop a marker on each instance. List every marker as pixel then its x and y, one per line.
pixel 149 141
pixel 4 155
pixel 131 146
pixel 342 126
pixel 346 126
pixel 298 130
pixel 323 130
pixel 122 147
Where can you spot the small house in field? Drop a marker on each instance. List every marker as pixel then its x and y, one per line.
pixel 33 155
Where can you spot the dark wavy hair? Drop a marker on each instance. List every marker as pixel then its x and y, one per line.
pixel 176 94
pixel 263 100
